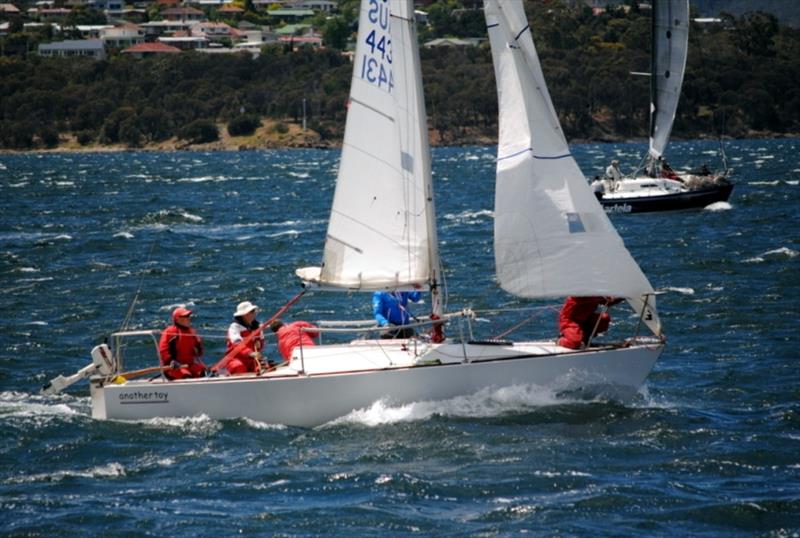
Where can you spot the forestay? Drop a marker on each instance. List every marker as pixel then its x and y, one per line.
pixel 381 233
pixel 552 237
pixel 670 42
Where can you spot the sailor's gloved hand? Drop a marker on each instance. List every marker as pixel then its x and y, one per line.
pixel 174 365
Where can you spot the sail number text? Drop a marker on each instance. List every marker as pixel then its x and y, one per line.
pixel 376 62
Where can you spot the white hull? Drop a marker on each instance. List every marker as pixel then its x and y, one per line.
pixel 369 371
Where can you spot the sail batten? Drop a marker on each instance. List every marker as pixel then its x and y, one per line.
pixel 551 236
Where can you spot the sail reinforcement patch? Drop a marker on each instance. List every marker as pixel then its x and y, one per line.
pixel 575 223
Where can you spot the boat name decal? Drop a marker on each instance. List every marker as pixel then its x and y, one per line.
pixel 143 397
pixel 618 208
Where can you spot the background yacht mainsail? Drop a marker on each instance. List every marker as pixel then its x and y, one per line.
pixel 551 236
pixel 670 42
pixel 381 233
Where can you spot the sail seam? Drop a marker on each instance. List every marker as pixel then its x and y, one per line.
pixel 544 157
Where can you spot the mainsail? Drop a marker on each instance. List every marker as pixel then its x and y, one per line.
pixel 381 233
pixel 551 236
pixel 670 42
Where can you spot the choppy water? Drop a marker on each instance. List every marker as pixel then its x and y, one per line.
pixel 711 446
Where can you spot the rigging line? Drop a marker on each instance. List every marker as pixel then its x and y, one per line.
pixel 515 327
pixel 522 309
pixel 126 321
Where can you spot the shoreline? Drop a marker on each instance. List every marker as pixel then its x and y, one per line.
pixel 269 137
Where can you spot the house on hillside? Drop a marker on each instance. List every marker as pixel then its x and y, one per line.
pixel 289 14
pixel 184 14
pixel 92 48
pixel 143 50
pixel 308 40
pixel 122 36
pixel 216 31
pixel 184 41
pixel 52 14
pixel 9 10
pixel 326 6
pixel 92 31
pixel 156 29
pixel 454 42
pixel 231 11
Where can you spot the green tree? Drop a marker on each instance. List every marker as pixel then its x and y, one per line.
pixel 200 132
pixel 336 32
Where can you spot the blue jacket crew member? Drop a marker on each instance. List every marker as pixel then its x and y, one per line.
pixel 390 309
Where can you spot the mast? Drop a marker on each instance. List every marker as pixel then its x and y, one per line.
pixel 405 11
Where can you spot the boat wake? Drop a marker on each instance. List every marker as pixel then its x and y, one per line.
pixel 719 206
pixel 40 409
pixel 197 425
pixel 488 402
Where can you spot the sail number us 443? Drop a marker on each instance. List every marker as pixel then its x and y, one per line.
pixel 376 61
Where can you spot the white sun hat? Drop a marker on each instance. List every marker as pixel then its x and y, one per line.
pixel 244 308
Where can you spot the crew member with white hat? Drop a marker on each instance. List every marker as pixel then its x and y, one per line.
pixel 248 355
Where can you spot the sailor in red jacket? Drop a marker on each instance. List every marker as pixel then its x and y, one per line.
pixel 241 338
pixel 290 336
pixel 180 345
pixel 577 320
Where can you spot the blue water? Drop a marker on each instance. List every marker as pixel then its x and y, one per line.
pixel 710 446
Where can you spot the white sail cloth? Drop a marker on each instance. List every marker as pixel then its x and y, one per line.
pixel 551 236
pixel 381 233
pixel 670 42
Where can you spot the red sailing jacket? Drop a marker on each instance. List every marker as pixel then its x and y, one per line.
pixel 579 310
pixel 179 344
pixel 290 336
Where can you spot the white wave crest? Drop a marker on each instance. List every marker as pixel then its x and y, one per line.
pixel 684 291
pixel 765 183
pixel 774 253
pixel 469 215
pixel 111 470
pixel 263 425
pixel 292 233
pixel 24 405
pixel 124 235
pixel 203 179
pixel 199 424
pixel 719 206
pixel 783 251
pixel 191 217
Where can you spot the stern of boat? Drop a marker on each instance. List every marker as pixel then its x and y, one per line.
pixel 98 395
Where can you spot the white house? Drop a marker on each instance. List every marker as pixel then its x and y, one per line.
pixel 92 48
pixel 122 36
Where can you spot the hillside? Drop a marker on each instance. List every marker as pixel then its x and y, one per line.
pixel 741 81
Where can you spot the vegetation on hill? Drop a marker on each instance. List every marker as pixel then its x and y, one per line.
pixel 741 80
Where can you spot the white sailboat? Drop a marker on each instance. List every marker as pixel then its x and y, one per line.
pixel 655 187
pixel 552 240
